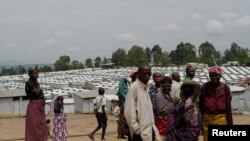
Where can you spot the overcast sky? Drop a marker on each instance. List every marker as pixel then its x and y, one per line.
pixel 40 31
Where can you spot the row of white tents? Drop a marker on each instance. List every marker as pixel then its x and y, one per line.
pixel 109 78
pixel 68 83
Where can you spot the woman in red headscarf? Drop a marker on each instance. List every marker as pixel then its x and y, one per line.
pixel 215 102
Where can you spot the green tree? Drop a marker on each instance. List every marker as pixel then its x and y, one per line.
pixel 98 61
pixel 21 70
pixel 75 65
pixel 8 71
pixel 89 63
pixel 156 48
pixel 165 59
pixel 148 54
pixel 136 56
pixel 184 53
pixel 157 54
pixel 237 53
pixel 81 66
pixel 105 60
pixel 63 63
pixel 119 57
pixel 45 69
pixel 218 58
pixel 207 53
pixel 173 57
pixel 157 58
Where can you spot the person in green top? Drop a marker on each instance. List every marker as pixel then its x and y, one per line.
pixel 122 90
pixel 190 73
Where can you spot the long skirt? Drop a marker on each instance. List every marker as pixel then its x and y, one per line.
pixel 212 119
pixel 161 125
pixel 60 131
pixel 35 123
pixel 122 125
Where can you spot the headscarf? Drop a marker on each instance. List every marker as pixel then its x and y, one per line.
pixel 216 69
pixel 157 72
pixel 122 90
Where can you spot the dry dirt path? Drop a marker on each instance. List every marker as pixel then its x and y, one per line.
pixel 78 125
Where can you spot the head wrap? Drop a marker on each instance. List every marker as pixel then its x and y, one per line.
pixel 216 69
pixel 157 72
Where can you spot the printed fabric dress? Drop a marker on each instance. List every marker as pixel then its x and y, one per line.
pixel 59 131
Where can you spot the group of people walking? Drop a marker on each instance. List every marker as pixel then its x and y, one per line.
pixel 168 110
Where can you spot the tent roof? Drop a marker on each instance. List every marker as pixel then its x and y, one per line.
pixel 94 93
pixel 12 93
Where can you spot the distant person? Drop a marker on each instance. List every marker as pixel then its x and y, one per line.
pixel 59 131
pixel 138 108
pixel 155 88
pixel 164 102
pixel 176 85
pixel 215 102
pixel 101 116
pixel 35 123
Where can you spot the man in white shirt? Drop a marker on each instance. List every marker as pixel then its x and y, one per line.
pixel 101 116
pixel 138 108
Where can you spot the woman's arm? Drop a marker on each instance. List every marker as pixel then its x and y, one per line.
pixel 33 89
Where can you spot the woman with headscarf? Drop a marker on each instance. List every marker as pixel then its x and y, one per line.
pixel 215 102
pixel 35 123
pixel 155 88
pixel 122 93
pixel 59 131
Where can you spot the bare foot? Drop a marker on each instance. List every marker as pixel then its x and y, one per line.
pixel 91 137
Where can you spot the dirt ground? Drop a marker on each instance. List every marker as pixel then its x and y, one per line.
pixel 78 126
